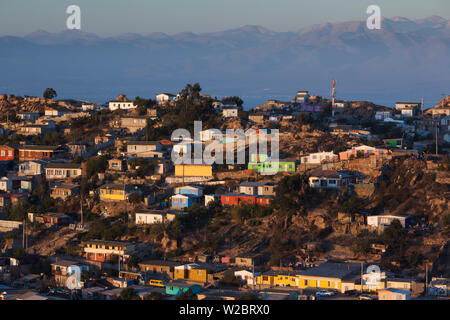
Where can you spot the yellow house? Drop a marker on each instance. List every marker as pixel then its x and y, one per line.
pixel 193 170
pixel 328 275
pixel 278 278
pixel 319 282
pixel 286 280
pixel 115 192
pixel 192 272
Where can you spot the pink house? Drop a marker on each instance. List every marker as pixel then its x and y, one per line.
pixel 363 150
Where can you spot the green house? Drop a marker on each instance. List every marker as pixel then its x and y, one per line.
pixel 271 167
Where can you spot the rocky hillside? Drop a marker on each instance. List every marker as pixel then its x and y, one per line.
pixel 15 104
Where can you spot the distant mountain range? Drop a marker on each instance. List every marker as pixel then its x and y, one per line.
pixel 405 60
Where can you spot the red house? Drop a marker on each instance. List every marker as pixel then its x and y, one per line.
pixel 238 199
pixel 8 153
pixel 54 219
pixel 264 200
pixel 32 152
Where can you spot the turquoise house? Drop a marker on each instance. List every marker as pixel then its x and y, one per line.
pixel 190 191
pixel 181 201
pixel 176 288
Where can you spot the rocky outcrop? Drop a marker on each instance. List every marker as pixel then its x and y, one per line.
pixel 11 103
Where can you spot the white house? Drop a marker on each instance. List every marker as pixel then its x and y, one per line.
pixel 28 116
pixel 301 97
pixel 321 179
pixel 150 217
pixel 385 220
pixel 62 170
pixel 5 184
pixel 409 112
pixel 210 134
pixel 402 105
pixel 87 107
pixel 123 105
pixel 381 115
pixel 247 276
pixel 32 167
pixel 229 112
pixel 165 97
pixel 53 112
pixel 209 198
pixel 319 157
pixel 340 104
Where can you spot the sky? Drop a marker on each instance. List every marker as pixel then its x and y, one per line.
pixel 113 17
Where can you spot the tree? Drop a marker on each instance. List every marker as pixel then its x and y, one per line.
pixel 96 165
pixel 394 236
pixel 143 104
pixel 132 262
pixel 49 93
pixel 303 118
pixel 187 295
pixel 129 294
pixel 19 210
pixel 292 193
pixel 243 115
pixel 233 100
pixel 249 296
pixel 446 220
pixel 191 91
pixel 135 198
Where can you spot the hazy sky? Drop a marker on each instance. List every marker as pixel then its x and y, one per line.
pixel 111 17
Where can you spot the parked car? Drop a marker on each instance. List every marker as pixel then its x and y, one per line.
pixel 366 297
pixel 352 292
pixel 324 294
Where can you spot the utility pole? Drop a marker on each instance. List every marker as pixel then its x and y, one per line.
pixel 361 277
pixel 436 134
pixel 23 234
pixel 333 83
pixel 81 208
pixel 26 235
pixel 253 277
pixel 422 107
pixel 426 278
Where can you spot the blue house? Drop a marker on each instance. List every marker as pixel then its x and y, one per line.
pixel 190 191
pixel 176 288
pixel 181 201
